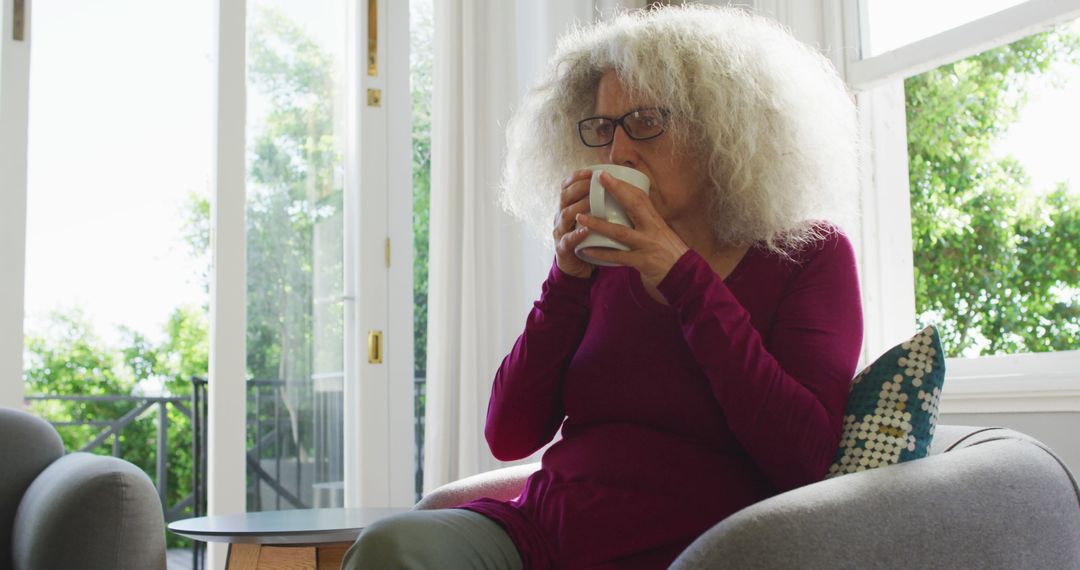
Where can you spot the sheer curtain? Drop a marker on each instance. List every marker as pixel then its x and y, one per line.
pixel 484 270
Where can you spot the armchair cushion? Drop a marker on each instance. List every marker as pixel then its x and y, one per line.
pixel 892 408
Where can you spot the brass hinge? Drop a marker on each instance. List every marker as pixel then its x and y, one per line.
pixel 18 21
pixel 374 347
pixel 387 252
pixel 373 38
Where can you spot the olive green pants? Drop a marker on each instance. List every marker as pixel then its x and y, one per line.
pixel 446 538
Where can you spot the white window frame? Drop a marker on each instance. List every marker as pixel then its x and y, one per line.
pixel 1045 382
pixel 14 100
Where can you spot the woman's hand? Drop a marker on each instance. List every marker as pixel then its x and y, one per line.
pixel 573 200
pixel 654 246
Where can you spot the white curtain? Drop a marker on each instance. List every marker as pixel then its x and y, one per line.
pixel 484 270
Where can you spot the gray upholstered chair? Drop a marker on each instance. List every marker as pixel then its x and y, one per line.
pixel 72 511
pixel 984 498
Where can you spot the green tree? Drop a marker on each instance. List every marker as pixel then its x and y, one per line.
pixel 291 182
pixel 420 65
pixel 995 259
pixel 70 359
pixel 420 62
pixel 295 225
pixel 295 318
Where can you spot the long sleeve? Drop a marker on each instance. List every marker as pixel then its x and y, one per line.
pixel 785 404
pixel 526 407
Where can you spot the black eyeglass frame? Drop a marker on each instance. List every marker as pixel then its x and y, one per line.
pixel 620 122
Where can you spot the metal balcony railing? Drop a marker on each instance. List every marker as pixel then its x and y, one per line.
pixel 294 449
pixel 112 429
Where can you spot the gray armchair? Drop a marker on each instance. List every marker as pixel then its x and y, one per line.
pixel 983 498
pixel 72 511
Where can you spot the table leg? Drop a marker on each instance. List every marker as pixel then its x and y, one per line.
pixel 331 555
pixel 293 557
pixel 243 557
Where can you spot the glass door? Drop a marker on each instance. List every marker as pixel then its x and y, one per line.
pixel 296 126
pixel 328 328
pixel 306 217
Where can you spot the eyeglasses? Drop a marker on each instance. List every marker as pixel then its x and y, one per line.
pixel 639 124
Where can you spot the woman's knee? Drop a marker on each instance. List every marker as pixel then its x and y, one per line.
pixel 450 538
pixel 384 544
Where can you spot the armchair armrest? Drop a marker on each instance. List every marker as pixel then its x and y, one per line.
pixel 1002 503
pixel 501 484
pixel 90 511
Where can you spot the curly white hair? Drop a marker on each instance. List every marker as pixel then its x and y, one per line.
pixel 765 114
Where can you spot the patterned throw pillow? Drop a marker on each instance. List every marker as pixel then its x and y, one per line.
pixel 893 406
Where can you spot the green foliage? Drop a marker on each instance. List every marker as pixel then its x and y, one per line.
pixel 420 63
pixel 291 175
pixel 69 359
pixel 995 259
pixel 196 234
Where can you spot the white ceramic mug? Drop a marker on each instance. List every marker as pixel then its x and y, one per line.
pixel 603 205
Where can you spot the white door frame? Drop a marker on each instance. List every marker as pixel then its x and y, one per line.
pixel 379 436
pixel 227 390
pixel 14 120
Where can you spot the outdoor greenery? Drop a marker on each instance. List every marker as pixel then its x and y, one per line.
pixel 420 62
pixel 70 359
pixel 995 259
pixel 295 315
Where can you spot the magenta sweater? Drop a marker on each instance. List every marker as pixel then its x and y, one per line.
pixel 673 417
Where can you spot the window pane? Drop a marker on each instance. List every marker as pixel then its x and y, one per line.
pixel 295 235
pixel 995 188
pixel 116 282
pixel 896 23
pixel 421 30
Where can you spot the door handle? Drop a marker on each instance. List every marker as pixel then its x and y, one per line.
pixel 374 347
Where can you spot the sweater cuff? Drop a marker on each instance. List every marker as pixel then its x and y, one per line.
pixel 566 286
pixel 689 272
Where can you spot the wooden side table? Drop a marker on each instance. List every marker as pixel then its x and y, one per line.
pixel 304 538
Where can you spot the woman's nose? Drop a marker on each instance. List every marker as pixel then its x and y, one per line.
pixel 622 149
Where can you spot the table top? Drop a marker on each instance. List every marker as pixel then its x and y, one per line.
pixel 300 526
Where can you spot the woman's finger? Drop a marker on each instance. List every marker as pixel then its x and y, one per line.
pixel 636 202
pixel 610 255
pixel 629 236
pixel 575 187
pixel 567 218
pixel 570 240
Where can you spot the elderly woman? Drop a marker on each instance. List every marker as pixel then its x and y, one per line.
pixel 709 368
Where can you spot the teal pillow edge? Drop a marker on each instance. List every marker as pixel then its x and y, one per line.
pixel 919 364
